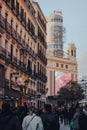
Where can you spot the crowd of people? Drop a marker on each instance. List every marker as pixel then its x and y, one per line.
pixel 47 118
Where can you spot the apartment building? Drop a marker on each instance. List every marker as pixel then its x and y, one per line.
pixel 22 52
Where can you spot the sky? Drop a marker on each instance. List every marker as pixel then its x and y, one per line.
pixel 74 14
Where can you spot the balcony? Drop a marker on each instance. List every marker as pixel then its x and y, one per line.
pixel 2 21
pixel 30 7
pixel 42 57
pixel 2 53
pixel 21 18
pixel 12 32
pixel 41 21
pixel 6 83
pixel 41 77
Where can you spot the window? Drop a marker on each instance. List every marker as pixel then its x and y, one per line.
pixel 13 4
pixel 11 50
pixel 66 66
pixel 55 53
pixel 6 44
pixel 61 65
pixel 71 52
pixel 17 8
pixel 16 52
pixel 57 64
pixel 22 12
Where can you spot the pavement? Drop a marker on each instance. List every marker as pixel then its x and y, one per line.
pixel 64 127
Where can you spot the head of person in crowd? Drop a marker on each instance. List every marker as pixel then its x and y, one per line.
pixel 39 112
pixel 77 105
pixel 47 108
pixel 31 110
pixel 6 107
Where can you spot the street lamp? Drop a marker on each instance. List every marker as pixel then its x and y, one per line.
pixel 22 83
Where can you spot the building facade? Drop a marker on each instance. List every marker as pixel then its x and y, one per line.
pixel 22 63
pixel 83 83
pixel 55 34
pixel 58 60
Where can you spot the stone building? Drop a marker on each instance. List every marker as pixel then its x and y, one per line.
pixel 58 60
pixel 22 52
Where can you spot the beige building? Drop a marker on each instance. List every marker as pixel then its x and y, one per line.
pixel 55 34
pixel 22 52
pixel 59 63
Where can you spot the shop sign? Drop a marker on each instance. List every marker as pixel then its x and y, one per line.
pixel 15 74
pixel 25 101
pixel 16 86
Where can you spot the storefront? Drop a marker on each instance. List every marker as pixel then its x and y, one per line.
pixel 12 96
pixel 2 80
pixel 1 96
pixel 41 101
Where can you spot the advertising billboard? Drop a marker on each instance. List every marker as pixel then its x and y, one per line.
pixel 61 80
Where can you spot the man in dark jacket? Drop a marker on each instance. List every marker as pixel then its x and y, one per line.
pixel 49 119
pixel 8 119
pixel 83 119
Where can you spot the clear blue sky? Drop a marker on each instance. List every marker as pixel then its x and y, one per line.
pixel 75 21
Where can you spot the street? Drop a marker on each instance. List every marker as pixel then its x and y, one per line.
pixel 64 127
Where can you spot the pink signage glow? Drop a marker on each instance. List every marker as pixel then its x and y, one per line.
pixel 61 80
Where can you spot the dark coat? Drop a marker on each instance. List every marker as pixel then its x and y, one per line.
pixel 50 121
pixel 9 121
pixel 83 121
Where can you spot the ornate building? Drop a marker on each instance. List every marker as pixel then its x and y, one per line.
pixel 58 60
pixel 55 34
pixel 22 52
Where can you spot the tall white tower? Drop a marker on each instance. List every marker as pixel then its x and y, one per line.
pixel 55 32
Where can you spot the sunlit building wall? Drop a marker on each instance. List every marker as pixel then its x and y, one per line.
pixel 20 40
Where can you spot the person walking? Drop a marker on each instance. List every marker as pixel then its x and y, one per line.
pixel 9 119
pixel 83 119
pixel 32 121
pixel 66 115
pixel 76 119
pixel 49 119
pixel 21 113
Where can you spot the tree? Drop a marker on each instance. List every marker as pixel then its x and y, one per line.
pixel 70 93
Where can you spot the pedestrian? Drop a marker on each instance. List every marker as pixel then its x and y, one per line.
pixel 49 119
pixel 76 119
pixel 22 112
pixel 83 119
pixel 71 112
pixel 32 121
pixel 9 119
pixel 66 115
